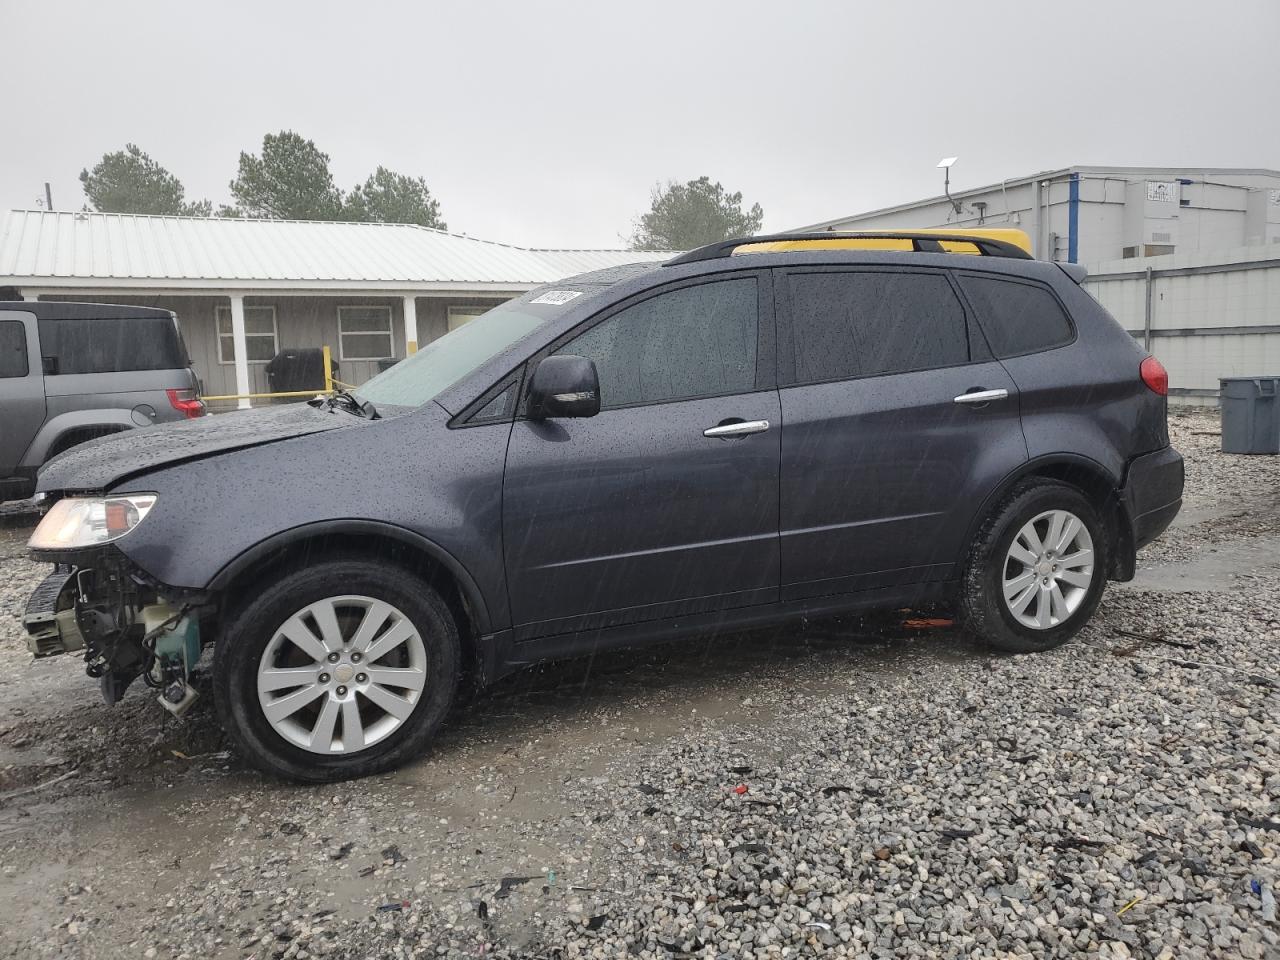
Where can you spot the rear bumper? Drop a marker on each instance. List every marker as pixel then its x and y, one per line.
pixel 1152 493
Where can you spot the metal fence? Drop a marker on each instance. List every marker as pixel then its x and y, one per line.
pixel 1204 316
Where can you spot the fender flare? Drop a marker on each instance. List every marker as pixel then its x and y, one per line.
pixel 1035 465
pixel 54 429
pixel 470 590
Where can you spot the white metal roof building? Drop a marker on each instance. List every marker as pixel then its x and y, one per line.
pixel 244 289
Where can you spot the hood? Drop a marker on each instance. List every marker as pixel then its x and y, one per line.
pixel 102 463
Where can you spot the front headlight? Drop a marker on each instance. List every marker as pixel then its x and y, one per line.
pixel 78 522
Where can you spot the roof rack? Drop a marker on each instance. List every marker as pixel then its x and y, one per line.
pixel 922 241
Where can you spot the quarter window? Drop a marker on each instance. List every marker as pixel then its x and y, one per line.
pixel 864 323
pixel 111 344
pixel 693 342
pixel 261 342
pixel 364 333
pixel 13 349
pixel 1018 317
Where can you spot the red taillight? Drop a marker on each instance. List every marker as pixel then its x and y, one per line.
pixel 187 401
pixel 1155 376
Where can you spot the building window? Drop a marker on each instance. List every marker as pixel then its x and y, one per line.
pixel 364 333
pixel 460 315
pixel 260 337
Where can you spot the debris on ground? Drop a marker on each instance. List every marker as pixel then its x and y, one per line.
pixel 910 796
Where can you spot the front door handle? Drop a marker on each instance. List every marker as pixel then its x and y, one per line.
pixel 727 431
pixel 982 396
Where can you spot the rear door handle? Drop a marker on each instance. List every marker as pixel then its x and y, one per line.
pixel 727 431
pixel 983 396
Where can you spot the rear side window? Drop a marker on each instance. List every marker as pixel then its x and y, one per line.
pixel 111 344
pixel 13 349
pixel 1017 317
pixel 862 324
pixel 692 342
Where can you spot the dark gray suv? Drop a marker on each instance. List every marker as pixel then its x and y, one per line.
pixel 730 439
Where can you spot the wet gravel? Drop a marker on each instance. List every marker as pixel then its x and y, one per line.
pixel 837 789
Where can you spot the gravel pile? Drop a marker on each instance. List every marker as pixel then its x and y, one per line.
pixel 839 789
pixel 1118 797
pixel 1229 497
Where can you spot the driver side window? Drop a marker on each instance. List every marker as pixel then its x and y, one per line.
pixel 692 342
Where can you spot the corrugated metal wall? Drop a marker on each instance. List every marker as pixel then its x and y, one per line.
pixel 1205 316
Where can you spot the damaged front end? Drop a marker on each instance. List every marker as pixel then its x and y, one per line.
pixel 97 601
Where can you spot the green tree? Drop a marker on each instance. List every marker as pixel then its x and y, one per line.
pixel 129 181
pixel 687 215
pixel 290 181
pixel 390 197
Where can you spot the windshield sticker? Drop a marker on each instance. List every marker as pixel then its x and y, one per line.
pixel 557 296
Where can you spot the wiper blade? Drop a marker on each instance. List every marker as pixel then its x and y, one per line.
pixel 352 404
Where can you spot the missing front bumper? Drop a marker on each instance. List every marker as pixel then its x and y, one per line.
pixel 124 625
pixel 50 617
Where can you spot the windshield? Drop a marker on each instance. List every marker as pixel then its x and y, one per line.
pixel 442 363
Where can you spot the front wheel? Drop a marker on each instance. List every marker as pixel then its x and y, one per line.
pixel 337 671
pixel 1037 569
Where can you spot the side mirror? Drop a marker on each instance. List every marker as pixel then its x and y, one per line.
pixel 564 386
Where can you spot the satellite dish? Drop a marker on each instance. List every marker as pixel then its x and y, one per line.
pixel 945 164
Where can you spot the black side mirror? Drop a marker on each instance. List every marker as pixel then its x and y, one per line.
pixel 49 366
pixel 564 386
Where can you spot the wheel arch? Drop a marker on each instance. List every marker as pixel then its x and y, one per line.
pixel 1092 479
pixel 369 538
pixel 99 423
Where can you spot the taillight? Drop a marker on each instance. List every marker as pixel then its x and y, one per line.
pixel 1155 376
pixel 187 401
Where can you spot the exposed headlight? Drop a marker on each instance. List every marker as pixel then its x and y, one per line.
pixel 78 522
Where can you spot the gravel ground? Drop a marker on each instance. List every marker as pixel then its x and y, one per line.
pixel 836 789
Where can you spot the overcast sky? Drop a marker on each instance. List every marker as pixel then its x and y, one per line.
pixel 548 123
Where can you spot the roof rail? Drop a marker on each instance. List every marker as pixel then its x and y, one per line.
pixel 922 241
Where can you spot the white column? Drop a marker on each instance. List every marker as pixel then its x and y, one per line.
pixel 410 325
pixel 241 347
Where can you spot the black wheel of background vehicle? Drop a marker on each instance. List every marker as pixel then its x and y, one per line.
pixel 337 671
pixel 1037 568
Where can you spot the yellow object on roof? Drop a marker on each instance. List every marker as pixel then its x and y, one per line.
pixel 893 240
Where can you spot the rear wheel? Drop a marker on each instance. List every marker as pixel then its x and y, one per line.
pixel 1037 569
pixel 341 670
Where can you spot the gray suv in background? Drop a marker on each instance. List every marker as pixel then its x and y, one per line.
pixel 71 372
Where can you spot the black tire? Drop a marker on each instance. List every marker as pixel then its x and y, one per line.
pixel 252 626
pixel 983 610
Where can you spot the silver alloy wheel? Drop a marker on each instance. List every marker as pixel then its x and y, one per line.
pixel 1048 569
pixel 341 674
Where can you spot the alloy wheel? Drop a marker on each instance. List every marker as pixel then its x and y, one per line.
pixel 342 674
pixel 1048 569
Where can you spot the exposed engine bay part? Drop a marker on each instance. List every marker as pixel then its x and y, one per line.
pixel 125 628
pixel 173 637
pixel 50 616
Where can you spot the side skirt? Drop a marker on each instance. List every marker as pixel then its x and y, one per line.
pixel 503 655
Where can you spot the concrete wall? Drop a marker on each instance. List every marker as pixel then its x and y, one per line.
pixel 1212 315
pixel 1213 212
pixel 300 322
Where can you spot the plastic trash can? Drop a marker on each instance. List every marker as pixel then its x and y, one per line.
pixel 1250 414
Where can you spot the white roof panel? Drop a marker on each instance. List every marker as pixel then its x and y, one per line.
pixel 42 248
